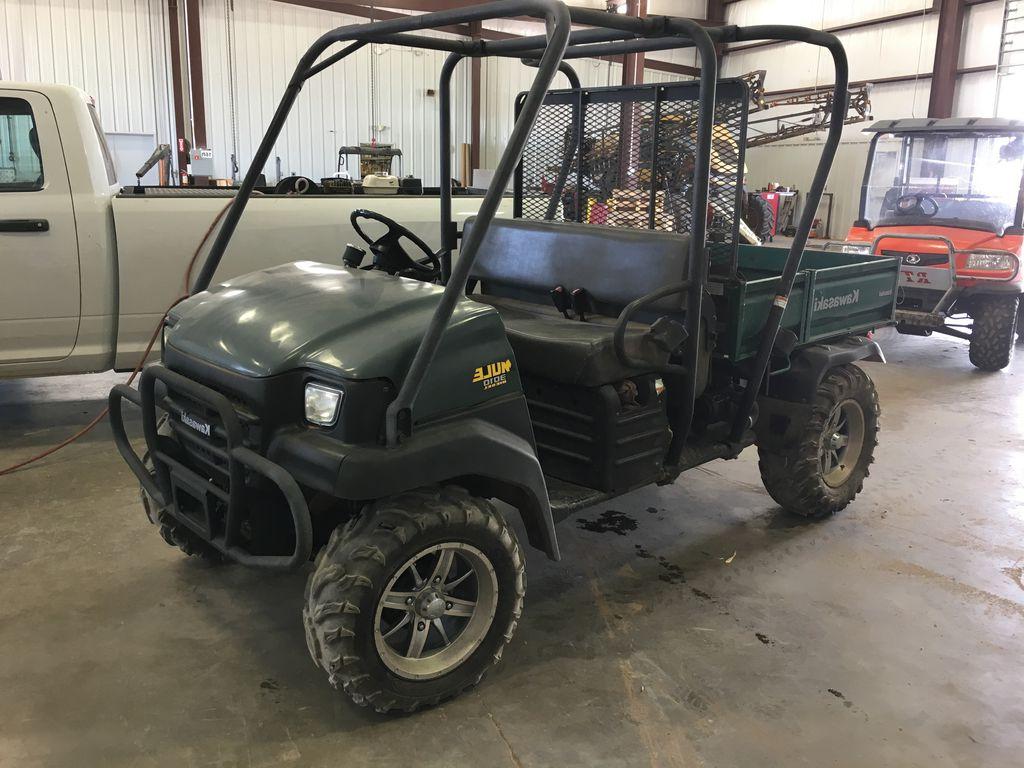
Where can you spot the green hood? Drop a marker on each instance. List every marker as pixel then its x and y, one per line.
pixel 349 322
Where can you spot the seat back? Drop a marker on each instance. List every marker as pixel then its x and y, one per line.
pixel 525 259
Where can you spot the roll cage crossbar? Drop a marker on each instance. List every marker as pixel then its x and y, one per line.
pixel 606 34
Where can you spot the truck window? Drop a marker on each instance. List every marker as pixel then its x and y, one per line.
pixel 21 164
pixel 108 161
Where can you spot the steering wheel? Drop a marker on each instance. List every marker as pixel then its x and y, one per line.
pixel 388 253
pixel 908 205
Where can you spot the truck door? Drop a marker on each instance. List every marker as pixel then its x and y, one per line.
pixel 40 295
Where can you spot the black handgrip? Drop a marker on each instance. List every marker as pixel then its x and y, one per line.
pixel 24 225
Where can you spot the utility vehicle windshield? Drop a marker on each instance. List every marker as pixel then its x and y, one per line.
pixel 945 179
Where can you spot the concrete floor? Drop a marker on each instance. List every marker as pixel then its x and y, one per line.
pixel 717 632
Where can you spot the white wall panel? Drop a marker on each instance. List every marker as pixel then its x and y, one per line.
pixel 898 48
pixel 694 9
pixel 793 164
pixel 266 40
pixel 982 25
pixel 503 79
pixel 115 50
pixel 818 14
pixel 976 95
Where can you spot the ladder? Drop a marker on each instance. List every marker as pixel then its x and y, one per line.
pixel 1010 64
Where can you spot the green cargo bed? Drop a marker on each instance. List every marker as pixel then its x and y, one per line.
pixel 834 295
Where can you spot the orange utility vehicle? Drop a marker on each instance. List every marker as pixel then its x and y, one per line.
pixel 947 197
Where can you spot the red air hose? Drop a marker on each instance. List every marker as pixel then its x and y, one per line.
pixel 135 372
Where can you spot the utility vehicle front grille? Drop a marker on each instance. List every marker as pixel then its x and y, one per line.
pixel 919 259
pixel 190 420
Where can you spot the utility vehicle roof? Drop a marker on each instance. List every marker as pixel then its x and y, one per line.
pixel 949 124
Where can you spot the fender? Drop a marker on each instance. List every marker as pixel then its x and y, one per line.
pixel 488 459
pixel 809 365
pixel 787 405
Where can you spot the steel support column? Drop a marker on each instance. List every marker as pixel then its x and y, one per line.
pixel 181 107
pixel 475 98
pixel 947 57
pixel 632 74
pixel 195 72
pixel 715 14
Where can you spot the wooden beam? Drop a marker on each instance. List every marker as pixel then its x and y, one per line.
pixel 632 74
pixel 463 30
pixel 195 72
pixel 374 14
pixel 475 104
pixel 633 63
pixel 947 57
pixel 715 13
pixel 180 107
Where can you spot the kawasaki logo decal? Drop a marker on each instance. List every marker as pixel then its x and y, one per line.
pixel 199 426
pixel 832 302
pixel 493 374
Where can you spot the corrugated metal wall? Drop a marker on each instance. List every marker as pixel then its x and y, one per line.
pixel 877 52
pixel 115 50
pixel 255 49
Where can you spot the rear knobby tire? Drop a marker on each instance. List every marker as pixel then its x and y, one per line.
pixel 993 331
pixel 349 616
pixel 804 478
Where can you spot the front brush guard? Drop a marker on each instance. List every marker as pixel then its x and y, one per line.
pixel 170 477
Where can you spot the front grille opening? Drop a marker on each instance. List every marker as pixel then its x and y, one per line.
pixel 267 527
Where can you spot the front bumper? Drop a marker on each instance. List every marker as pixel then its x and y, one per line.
pixel 211 510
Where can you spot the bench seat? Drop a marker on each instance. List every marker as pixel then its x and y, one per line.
pixel 520 261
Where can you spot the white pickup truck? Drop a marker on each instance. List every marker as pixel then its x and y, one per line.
pixel 89 268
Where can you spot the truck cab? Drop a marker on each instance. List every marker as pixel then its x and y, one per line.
pixel 947 198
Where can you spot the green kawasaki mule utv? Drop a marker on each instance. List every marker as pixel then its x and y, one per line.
pixel 608 336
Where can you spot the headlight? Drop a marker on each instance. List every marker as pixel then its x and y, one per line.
pixel 322 404
pixel 993 261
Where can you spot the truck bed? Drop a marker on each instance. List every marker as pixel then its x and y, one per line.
pixel 157 234
pixel 835 294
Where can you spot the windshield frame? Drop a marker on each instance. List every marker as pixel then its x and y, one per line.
pixel 864 221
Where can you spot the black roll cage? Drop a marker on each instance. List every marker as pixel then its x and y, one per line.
pixel 605 34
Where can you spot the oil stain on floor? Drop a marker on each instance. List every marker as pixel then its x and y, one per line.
pixel 611 521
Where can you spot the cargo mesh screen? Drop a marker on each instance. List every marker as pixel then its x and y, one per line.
pixel 634 164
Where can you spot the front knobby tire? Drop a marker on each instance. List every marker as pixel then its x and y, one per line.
pixel 413 601
pixel 993 331
pixel 825 468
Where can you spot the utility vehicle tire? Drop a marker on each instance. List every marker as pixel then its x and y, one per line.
pixel 171 531
pixel 1020 324
pixel 759 216
pixel 825 469
pixel 177 535
pixel 410 603
pixel 993 332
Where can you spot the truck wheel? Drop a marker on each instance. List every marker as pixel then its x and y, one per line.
pixel 993 331
pixel 825 469
pixel 410 603
pixel 1020 324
